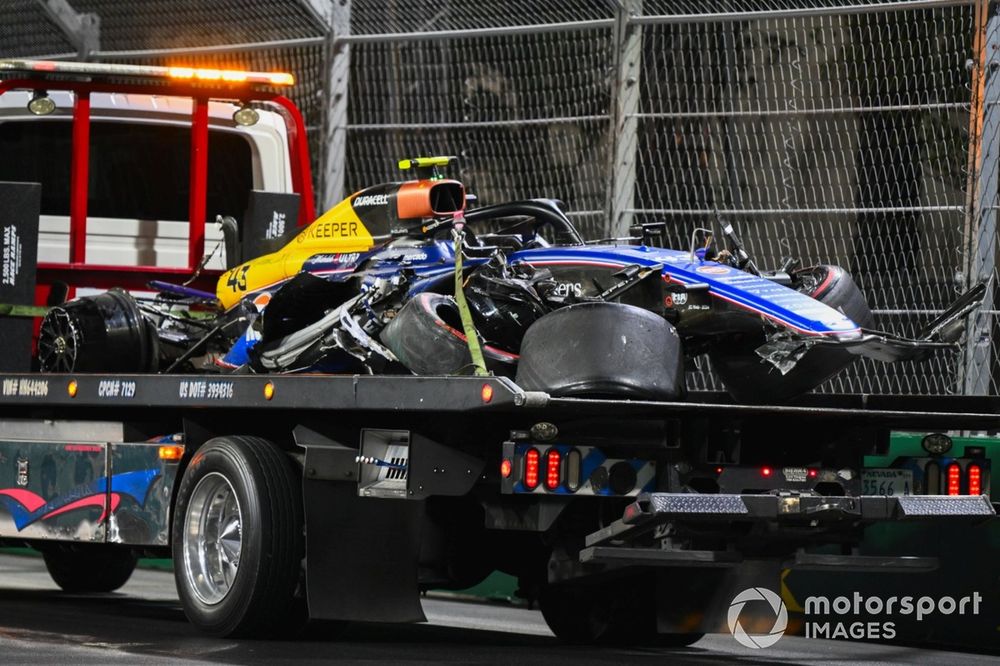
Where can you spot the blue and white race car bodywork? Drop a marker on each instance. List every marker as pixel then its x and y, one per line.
pixel 742 292
pixel 773 334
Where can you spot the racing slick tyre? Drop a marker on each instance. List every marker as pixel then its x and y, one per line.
pixel 749 379
pixel 602 349
pixel 92 568
pixel 238 539
pixel 426 336
pixel 622 612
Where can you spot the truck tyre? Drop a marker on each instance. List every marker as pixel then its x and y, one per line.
pixel 602 350
pixel 619 612
pixel 426 336
pixel 750 379
pixel 97 568
pixel 238 539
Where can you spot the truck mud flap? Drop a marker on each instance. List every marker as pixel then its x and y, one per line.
pixel 361 553
pixel 652 509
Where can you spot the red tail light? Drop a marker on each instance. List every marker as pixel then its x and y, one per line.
pixel 975 474
pixel 506 467
pixel 765 471
pixel 552 460
pixel 954 479
pixel 531 459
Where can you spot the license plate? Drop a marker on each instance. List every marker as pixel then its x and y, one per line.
pixel 886 482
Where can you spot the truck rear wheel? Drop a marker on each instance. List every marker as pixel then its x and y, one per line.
pixel 238 539
pixel 613 612
pixel 96 568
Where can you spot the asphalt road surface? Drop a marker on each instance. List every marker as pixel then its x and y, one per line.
pixel 143 624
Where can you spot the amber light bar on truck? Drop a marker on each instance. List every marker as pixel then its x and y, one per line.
pixel 201 86
pixel 88 69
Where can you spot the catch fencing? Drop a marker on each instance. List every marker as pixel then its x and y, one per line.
pixel 862 133
pixel 834 132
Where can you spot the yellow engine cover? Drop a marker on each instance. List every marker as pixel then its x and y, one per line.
pixel 338 230
pixel 353 225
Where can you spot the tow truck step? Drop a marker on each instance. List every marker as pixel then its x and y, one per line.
pixel 938 505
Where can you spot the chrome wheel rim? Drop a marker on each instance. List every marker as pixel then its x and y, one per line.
pixel 213 538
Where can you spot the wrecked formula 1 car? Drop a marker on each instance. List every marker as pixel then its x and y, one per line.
pixel 401 278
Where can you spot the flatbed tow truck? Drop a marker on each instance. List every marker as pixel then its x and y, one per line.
pixel 343 497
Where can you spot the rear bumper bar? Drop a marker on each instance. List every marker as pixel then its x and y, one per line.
pixel 754 507
pixel 617 556
pixel 653 506
pixel 651 509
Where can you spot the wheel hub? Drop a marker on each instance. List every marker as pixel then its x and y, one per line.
pixel 58 341
pixel 213 539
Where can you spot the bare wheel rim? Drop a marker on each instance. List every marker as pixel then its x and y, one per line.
pixel 213 538
pixel 58 342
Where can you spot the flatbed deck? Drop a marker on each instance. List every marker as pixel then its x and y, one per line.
pixel 403 393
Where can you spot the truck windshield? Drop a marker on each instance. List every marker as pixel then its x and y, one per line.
pixel 137 170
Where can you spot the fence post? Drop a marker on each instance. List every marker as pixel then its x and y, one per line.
pixel 83 31
pixel 623 146
pixel 977 370
pixel 333 151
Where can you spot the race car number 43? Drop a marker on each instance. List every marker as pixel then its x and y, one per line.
pixel 886 482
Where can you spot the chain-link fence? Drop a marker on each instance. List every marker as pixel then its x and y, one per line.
pixel 827 131
pixel 526 113
pixel 834 135
pixel 855 132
